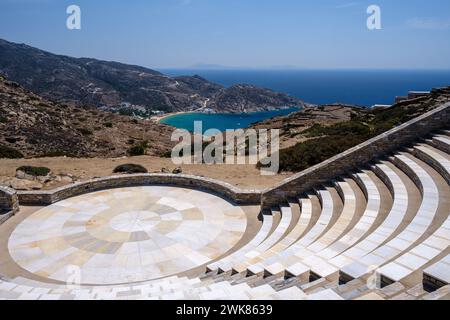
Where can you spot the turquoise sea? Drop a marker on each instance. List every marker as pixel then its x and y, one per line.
pixel 221 121
pixel 360 87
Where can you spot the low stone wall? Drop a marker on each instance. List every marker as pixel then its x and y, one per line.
pixel 4 217
pixel 359 156
pixel 199 183
pixel 9 203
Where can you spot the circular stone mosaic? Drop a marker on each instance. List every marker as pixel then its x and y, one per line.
pixel 127 235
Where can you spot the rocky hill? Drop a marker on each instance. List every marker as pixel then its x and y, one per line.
pixel 83 81
pixel 292 126
pixel 316 134
pixel 32 126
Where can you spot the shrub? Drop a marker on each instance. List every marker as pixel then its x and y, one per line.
pixel 85 132
pixel 130 169
pixel 126 112
pixel 9 153
pixel 34 171
pixel 333 139
pixel 340 129
pixel 53 113
pixel 11 139
pixel 108 124
pixel 138 149
pixel 3 119
pixel 309 153
pixel 166 154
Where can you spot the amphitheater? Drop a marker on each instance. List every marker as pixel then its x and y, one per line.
pixel 371 223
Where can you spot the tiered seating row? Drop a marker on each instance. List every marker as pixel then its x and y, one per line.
pixel 349 249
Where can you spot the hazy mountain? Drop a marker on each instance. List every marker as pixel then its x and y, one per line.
pixel 84 81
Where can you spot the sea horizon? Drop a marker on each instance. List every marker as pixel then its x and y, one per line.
pixel 362 87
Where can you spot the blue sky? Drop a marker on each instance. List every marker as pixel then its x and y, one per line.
pixel 313 34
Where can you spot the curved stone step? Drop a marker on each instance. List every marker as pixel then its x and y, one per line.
pixel 277 236
pixel 349 211
pixel 319 264
pixel 441 143
pixel 253 266
pixel 434 159
pixel 435 240
pixel 415 229
pixel 310 256
pixel 325 219
pixel 440 294
pixel 278 263
pixel 437 275
pixel 384 231
pixel 225 264
pixel 305 218
pixel 365 223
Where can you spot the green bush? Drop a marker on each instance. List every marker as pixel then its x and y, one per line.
pixel 34 171
pixel 3 119
pixel 126 112
pixel 339 129
pixel 309 153
pixel 9 153
pixel 12 139
pixel 333 139
pixel 130 169
pixel 85 132
pixel 108 124
pixel 166 154
pixel 138 149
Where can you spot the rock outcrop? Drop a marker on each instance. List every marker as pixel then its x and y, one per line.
pixel 32 126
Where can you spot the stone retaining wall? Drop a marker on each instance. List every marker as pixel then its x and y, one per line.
pixel 359 156
pixel 9 203
pixel 217 187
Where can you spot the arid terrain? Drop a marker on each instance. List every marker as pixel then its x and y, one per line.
pixel 292 126
pixel 32 126
pixel 80 143
pixel 68 170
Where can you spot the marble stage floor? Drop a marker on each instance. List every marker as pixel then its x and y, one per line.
pixel 126 235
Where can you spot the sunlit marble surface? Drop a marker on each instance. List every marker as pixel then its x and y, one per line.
pixel 126 235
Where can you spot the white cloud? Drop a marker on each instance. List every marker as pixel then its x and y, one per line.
pixel 428 23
